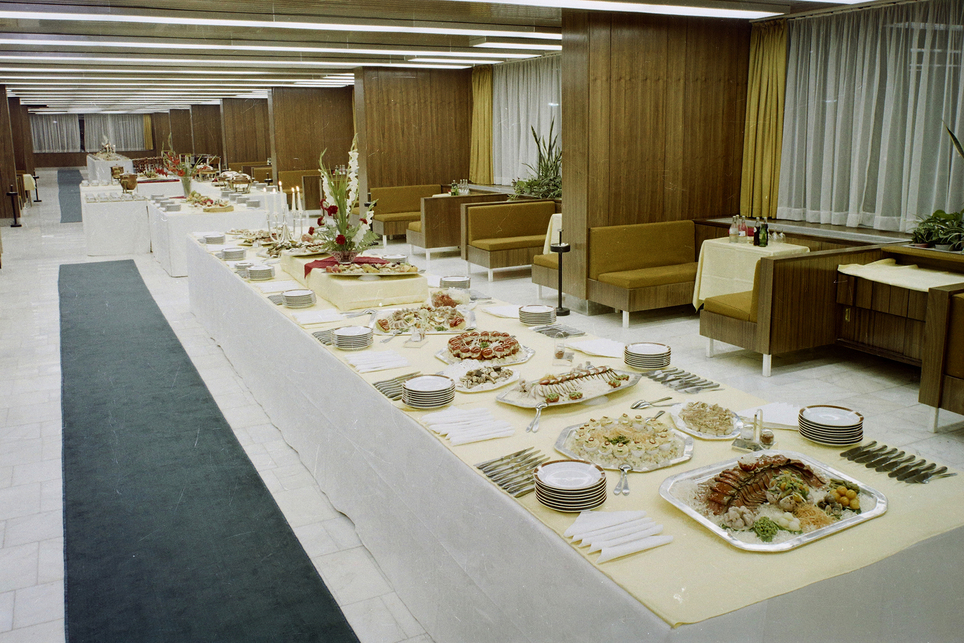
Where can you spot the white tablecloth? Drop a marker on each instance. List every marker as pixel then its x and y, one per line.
pixel 98 170
pixel 116 228
pixel 472 563
pixel 170 231
pixel 726 267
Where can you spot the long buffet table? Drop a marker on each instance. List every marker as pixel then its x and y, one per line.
pixel 99 169
pixel 473 563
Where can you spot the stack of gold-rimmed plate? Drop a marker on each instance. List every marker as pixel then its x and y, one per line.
pixel 233 254
pixel 300 298
pixel 214 237
pixel 647 356
pixel 537 315
pixel 428 391
pixel 570 485
pixel 260 272
pixel 351 338
pixel 831 425
pixel 455 282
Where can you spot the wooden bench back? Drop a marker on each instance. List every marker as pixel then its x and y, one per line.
pixel 509 219
pixel 641 245
pixel 403 198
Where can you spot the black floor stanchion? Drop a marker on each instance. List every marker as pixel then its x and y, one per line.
pixel 560 249
pixel 14 197
pixel 36 189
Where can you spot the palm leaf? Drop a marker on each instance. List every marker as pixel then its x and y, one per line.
pixel 957 143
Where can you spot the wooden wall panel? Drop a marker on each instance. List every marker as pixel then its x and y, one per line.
pixel 418 125
pixel 8 164
pixel 245 131
pixel 22 136
pixel 652 123
pixel 305 122
pixel 206 129
pixel 181 131
pixel 161 129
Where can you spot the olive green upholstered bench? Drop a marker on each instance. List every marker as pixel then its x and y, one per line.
pixel 399 206
pixel 505 234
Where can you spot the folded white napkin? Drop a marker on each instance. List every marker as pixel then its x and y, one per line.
pixel 455 415
pixel 214 247
pixel 631 548
pixel 317 316
pixel 616 530
pixel 380 361
pixel 777 415
pixel 272 287
pixel 635 534
pixel 462 426
pixel 600 347
pixel 588 521
pixel 509 312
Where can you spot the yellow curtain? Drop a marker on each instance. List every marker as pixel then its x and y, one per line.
pixel 763 138
pixel 148 133
pixel 480 156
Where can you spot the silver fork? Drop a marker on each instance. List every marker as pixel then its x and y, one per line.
pixel 534 425
pixel 643 404
pixel 394 334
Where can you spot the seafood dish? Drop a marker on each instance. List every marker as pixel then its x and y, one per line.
pixel 441 319
pixel 483 345
pixel 707 421
pixel 381 269
pixel 644 444
pixel 582 383
pixel 772 500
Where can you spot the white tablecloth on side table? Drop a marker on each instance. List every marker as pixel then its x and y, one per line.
pixel 98 170
pixel 726 267
pixel 116 227
pixel 171 230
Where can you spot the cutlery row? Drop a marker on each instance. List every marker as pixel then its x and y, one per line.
pixel 682 381
pixel 904 467
pixel 513 472
pixel 392 389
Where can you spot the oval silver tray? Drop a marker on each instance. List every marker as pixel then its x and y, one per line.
pixel 377 275
pixel 524 355
pixel 705 473
pixel 470 324
pixel 685 428
pixel 560 446
pixel 531 403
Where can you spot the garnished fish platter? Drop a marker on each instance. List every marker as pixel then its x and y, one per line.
pixel 581 384
pixel 645 444
pixel 772 501
pixel 431 319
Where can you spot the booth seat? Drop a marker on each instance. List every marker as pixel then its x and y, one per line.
pixel 439 224
pixel 310 183
pixel 642 266
pixel 398 206
pixel 505 234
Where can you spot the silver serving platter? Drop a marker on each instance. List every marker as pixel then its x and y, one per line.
pixel 560 446
pixel 531 403
pixel 377 275
pixel 470 324
pixel 524 355
pixel 705 473
pixel 685 428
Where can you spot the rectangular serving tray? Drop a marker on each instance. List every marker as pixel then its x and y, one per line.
pixel 705 473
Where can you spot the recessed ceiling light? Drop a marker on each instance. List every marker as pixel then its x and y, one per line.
pixel 536 46
pixel 636 7
pixel 154 19
pixel 454 60
pixel 214 62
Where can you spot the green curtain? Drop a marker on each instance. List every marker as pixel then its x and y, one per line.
pixel 763 137
pixel 480 156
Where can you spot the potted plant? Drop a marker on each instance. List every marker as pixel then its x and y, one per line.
pixel 941 229
pixel 547 182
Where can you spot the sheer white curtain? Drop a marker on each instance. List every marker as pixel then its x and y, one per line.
pixel 868 94
pixel 55 132
pixel 524 95
pixel 125 131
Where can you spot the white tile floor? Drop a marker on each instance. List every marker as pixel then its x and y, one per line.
pixel 31 529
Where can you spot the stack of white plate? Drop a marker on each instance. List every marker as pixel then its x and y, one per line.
pixel 647 356
pixel 242 268
pixel 215 237
pixel 570 485
pixel 231 254
pixel 352 338
pixel 298 298
pixel 260 272
pixel 831 425
pixel 537 315
pixel 455 282
pixel 428 391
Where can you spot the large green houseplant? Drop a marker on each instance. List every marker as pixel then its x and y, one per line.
pixel 547 180
pixel 943 228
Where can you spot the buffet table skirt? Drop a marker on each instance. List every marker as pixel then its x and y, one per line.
pixel 887 271
pixel 352 293
pixel 170 231
pixel 472 563
pixel 726 268
pixel 99 170
pixel 116 227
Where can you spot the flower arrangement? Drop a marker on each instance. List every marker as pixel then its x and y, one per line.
pixel 341 232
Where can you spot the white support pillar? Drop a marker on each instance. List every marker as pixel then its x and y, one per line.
pixel 767 363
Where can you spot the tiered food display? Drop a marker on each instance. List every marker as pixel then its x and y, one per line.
pixel 644 444
pixel 431 319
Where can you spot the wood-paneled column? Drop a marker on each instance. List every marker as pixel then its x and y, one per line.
pixel 245 130
pixel 206 129
pixel 22 136
pixel 161 129
pixel 305 122
pixel 182 133
pixel 8 163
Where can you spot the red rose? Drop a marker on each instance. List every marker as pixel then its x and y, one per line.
pixel 311 230
pixel 340 240
pixel 321 221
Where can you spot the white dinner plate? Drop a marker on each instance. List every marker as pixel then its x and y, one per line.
pixel 831 415
pixel 569 474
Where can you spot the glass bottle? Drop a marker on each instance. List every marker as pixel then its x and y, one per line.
pixel 735 229
pixel 764 234
pixel 756 232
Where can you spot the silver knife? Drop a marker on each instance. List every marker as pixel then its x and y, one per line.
pixel 943 475
pixel 907 468
pixel 921 477
pixel 893 464
pixel 908 476
pixel 867 457
pixel 856 450
pixel 867 452
pixel 887 457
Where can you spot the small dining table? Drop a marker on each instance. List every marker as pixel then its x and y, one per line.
pixel 725 267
